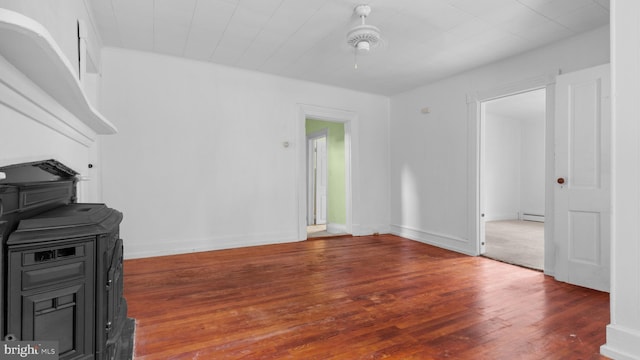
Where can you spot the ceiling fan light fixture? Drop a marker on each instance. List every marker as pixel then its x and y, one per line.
pixel 363 46
pixel 363 37
pixel 363 33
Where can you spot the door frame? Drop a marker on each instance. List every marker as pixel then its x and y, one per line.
pixel 351 155
pixel 475 115
pixel 311 183
pixel 483 160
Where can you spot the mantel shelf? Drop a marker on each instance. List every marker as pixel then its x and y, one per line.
pixel 29 47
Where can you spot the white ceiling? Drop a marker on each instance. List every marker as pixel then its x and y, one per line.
pixel 423 40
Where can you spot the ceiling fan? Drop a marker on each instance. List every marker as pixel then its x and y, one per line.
pixel 362 37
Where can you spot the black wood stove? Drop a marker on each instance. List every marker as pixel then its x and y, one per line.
pixel 61 267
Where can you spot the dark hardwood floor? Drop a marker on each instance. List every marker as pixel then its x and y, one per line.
pixel 371 297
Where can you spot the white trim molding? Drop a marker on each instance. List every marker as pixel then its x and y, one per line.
pixel 440 240
pixel 475 201
pixel 19 93
pixel 350 121
pixel 623 332
pixel 184 246
pixel 622 343
pixel 30 50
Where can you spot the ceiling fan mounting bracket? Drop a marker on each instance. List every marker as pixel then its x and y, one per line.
pixel 362 10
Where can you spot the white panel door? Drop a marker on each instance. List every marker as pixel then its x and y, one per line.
pixel 321 180
pixel 583 186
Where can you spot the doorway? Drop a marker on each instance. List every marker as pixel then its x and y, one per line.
pixel 326 178
pixel 317 178
pixel 349 121
pixel 512 168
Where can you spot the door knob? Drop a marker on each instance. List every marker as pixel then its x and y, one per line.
pixel 560 181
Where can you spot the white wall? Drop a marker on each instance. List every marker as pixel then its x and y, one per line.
pixel 23 135
pixel 22 139
pixel 430 161
pixel 514 167
pixel 532 168
pixel 502 168
pixel 623 333
pixel 199 161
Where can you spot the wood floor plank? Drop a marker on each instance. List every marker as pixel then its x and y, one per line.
pixel 368 297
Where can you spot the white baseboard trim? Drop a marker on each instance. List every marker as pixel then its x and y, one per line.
pixel 174 247
pixel 500 217
pixel 532 217
pixel 440 240
pixel 369 229
pixel 622 343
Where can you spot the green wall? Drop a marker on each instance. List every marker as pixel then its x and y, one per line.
pixel 336 203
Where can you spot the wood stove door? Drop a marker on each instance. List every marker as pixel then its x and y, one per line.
pixel 52 295
pixel 58 315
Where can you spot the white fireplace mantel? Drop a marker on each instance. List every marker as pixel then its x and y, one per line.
pixel 27 46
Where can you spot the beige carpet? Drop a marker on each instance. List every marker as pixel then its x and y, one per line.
pixel 516 242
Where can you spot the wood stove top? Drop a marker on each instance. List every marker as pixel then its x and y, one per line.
pixel 63 222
